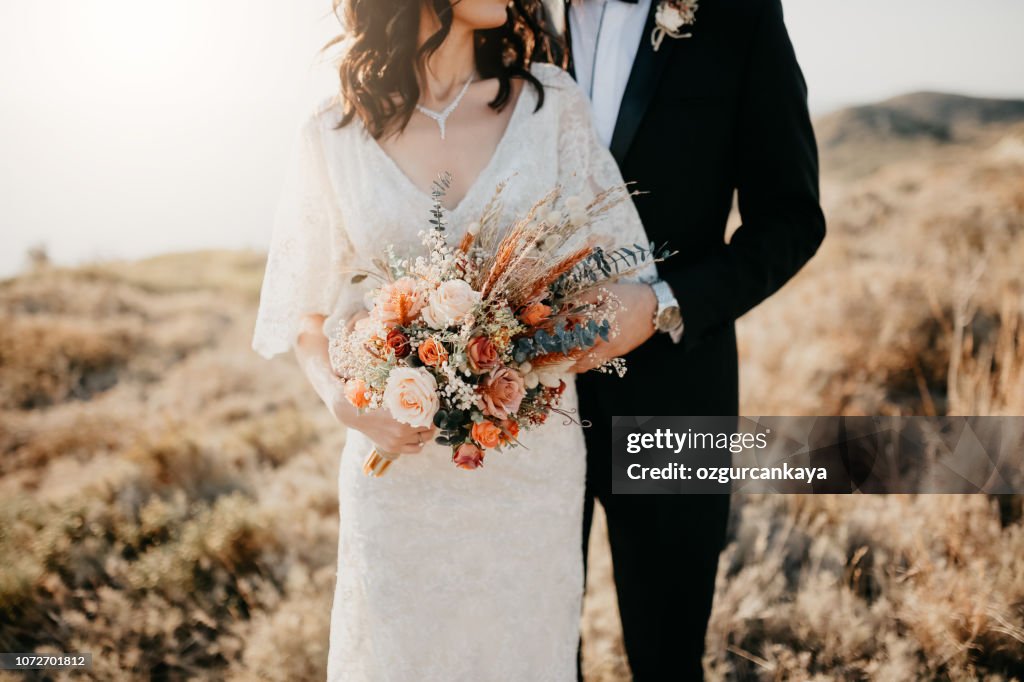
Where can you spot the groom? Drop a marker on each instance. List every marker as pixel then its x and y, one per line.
pixel 721 108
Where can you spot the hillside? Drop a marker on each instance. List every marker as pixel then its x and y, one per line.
pixel 168 500
pixel 858 140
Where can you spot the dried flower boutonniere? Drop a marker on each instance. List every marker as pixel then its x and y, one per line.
pixel 670 18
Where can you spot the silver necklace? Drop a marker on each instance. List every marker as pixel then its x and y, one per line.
pixel 442 116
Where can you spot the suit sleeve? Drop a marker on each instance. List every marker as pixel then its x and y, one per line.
pixel 777 185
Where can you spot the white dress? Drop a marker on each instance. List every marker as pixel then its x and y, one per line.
pixel 443 574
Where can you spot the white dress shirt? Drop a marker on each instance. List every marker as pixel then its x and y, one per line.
pixel 605 37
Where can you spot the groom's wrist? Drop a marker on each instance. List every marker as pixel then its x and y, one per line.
pixel 677 334
pixel 668 318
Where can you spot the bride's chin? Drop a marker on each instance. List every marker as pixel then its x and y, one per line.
pixel 480 14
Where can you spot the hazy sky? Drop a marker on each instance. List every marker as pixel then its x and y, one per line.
pixel 131 127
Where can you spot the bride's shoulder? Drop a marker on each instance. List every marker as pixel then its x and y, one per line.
pixel 559 86
pixel 552 75
pixel 557 82
pixel 323 117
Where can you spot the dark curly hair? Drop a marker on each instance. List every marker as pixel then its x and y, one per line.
pixel 379 69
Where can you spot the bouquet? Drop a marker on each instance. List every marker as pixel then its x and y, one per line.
pixel 476 338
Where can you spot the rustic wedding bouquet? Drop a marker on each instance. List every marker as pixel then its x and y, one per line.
pixel 476 339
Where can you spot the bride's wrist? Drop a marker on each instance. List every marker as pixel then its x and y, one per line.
pixel 337 403
pixel 328 386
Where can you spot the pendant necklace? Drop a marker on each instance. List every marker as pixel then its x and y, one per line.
pixel 441 117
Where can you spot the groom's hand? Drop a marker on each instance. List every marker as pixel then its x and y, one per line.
pixel 634 324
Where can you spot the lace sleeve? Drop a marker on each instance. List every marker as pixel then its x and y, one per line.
pixel 308 251
pixel 587 167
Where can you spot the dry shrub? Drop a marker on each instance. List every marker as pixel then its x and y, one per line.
pixel 29 442
pixel 46 360
pixel 174 460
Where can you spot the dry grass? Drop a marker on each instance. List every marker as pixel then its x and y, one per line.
pixel 177 515
pixel 168 502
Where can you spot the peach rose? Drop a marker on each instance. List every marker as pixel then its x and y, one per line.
pixel 398 343
pixel 450 303
pixel 509 430
pixel 432 353
pixel 487 434
pixel 398 303
pixel 481 354
pixel 411 396
pixel 502 392
pixel 355 393
pixel 535 314
pixel 468 456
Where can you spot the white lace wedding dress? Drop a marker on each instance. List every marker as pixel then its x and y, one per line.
pixel 443 574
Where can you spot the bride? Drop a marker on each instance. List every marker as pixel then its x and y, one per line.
pixel 443 574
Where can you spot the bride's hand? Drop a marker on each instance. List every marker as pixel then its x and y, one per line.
pixel 378 425
pixel 389 435
pixel 634 324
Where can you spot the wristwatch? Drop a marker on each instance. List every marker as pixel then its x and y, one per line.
pixel 667 317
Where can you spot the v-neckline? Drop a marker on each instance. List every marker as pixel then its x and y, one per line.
pixel 404 177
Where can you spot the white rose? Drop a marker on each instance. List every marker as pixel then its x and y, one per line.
pixel 669 18
pixel 549 376
pixel 449 303
pixel 411 396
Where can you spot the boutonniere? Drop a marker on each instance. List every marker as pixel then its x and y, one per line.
pixel 670 18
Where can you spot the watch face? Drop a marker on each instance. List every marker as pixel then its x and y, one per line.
pixel 669 318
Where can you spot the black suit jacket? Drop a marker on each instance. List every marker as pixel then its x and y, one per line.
pixel 721 111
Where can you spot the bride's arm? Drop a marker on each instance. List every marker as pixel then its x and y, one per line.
pixel 587 167
pixel 303 284
pixel 311 351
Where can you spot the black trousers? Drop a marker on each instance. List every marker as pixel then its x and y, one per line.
pixel 665 551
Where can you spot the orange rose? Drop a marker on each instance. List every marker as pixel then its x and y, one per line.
pixel 355 393
pixel 509 430
pixel 432 353
pixel 487 434
pixel 398 343
pixel 535 314
pixel 481 354
pixel 468 456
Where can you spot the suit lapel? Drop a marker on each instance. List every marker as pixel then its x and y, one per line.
pixel 643 81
